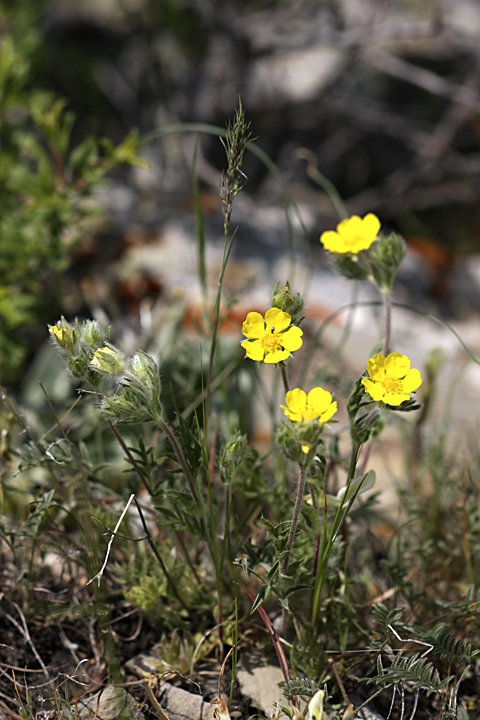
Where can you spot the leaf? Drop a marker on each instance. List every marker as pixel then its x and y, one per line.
pixel 262 595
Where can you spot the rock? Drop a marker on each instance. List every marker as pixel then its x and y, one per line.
pixel 182 705
pixel 112 703
pixel 259 681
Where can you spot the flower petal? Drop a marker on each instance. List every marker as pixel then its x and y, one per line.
pixel 395 399
pixel 396 365
pixel 411 381
pixel 333 242
pixel 254 326
pixel 292 339
pixel 254 350
pixel 276 356
pixel 371 225
pixel 351 228
pixel 376 368
pixel 297 401
pixel 293 416
pixel 329 412
pixel 319 400
pixel 375 391
pixel 277 319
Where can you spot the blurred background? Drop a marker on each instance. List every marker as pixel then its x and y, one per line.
pixel 381 97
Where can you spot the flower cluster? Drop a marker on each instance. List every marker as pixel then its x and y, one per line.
pixel 272 339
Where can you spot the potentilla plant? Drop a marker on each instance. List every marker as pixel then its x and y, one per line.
pixel 129 390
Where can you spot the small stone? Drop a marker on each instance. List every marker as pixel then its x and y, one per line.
pixel 112 703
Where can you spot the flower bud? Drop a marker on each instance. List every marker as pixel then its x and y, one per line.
pixel 124 408
pixel 108 360
pixel 353 267
pixel 92 333
pixel 236 446
pixel 144 380
pixel 299 441
pixel 78 366
pixel 64 334
pixel 287 301
pixel 385 258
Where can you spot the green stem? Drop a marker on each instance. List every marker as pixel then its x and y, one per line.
pixel 283 370
pixel 296 513
pixel 158 556
pixel 226 253
pixel 388 320
pixel 168 430
pixel 326 546
pixel 213 532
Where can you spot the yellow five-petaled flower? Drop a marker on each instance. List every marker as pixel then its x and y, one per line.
pixel 318 404
pixel 391 379
pixel 353 235
pixel 273 339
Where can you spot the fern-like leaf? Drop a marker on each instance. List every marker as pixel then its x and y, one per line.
pixel 445 645
pixel 300 686
pixel 415 670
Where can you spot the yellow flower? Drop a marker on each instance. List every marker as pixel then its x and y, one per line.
pixel 317 404
pixel 391 379
pixel 108 360
pixel 270 340
pixel 352 235
pixel 63 334
pixel 56 331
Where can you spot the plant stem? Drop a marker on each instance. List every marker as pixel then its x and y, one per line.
pixel 296 513
pixel 283 370
pixel 168 430
pixel 388 320
pixel 326 545
pixel 213 531
pixel 130 456
pixel 158 556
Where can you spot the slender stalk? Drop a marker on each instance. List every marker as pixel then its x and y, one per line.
pixel 226 536
pixel 326 545
pixel 168 430
pixel 216 320
pixel 231 183
pixel 316 549
pixel 296 513
pixel 213 531
pixel 130 456
pixel 158 556
pixel 234 656
pixel 283 370
pixel 387 304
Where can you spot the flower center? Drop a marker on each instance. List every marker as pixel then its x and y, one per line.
pixel 310 413
pixel 392 386
pixel 352 241
pixel 271 342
